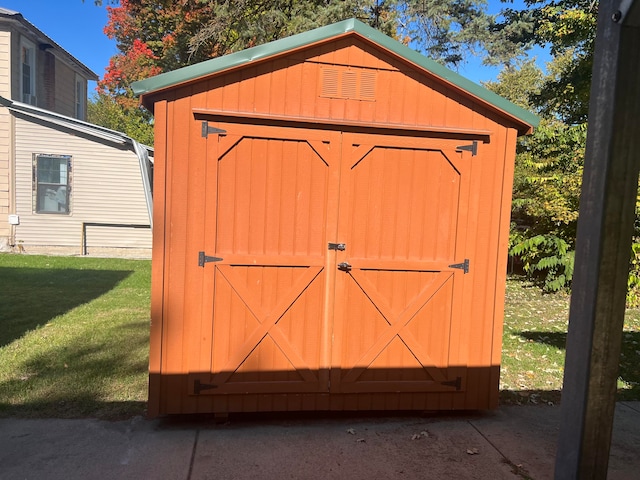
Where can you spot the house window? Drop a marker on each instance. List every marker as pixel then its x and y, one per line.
pixel 28 72
pixel 81 96
pixel 52 183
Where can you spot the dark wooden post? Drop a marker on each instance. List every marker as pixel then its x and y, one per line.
pixel 603 246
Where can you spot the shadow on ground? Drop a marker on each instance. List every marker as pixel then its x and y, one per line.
pixel 629 372
pixel 31 297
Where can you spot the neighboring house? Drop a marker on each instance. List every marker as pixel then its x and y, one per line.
pixel 61 176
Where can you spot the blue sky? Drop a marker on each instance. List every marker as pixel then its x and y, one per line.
pixel 77 27
pixel 74 25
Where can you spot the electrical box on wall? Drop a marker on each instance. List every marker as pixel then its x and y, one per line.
pixel 14 219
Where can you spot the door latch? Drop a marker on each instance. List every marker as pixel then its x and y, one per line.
pixel 344 266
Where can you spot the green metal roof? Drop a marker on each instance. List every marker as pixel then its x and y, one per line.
pixel 245 57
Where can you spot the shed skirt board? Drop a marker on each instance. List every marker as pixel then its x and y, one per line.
pixel 338 264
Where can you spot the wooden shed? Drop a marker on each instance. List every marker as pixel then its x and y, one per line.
pixel 330 229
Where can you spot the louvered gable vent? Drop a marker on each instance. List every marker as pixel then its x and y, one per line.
pixel 348 83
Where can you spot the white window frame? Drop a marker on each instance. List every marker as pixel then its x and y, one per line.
pixel 28 92
pixel 81 97
pixel 51 197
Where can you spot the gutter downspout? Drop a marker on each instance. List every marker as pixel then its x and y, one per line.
pixel 145 170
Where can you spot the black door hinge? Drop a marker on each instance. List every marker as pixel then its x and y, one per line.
pixel 473 148
pixel 457 383
pixel 202 259
pixel 199 387
pixel 206 129
pixel 462 266
pixel 337 246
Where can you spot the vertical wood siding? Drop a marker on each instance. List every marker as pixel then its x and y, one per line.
pixel 413 199
pixel 106 186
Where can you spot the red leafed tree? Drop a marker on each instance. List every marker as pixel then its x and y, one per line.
pixel 152 37
pixel 138 63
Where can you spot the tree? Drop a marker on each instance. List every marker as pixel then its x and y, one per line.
pixel 547 180
pixel 567 28
pixel 106 111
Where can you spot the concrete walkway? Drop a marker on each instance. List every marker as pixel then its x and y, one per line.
pixel 511 443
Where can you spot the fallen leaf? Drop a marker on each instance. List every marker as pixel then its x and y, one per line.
pixel 351 431
pixel 415 436
pixel 472 451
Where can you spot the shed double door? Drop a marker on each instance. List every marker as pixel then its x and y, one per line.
pixel 339 262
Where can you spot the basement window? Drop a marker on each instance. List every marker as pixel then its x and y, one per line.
pixel 52 183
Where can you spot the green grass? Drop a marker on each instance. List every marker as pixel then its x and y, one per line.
pixel 74 335
pixel 533 347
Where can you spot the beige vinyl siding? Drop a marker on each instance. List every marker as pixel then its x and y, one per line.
pixel 106 187
pixel 5 64
pixel 5 135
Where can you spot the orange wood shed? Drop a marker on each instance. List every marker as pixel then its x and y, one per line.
pixel 330 229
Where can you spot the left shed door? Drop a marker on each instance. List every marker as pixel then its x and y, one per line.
pixel 269 211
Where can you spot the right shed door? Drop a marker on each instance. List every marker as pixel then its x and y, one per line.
pixel 400 281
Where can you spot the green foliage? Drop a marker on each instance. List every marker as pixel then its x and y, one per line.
pixel 547 260
pixel 633 282
pixel 448 32
pixel 567 28
pixel 229 26
pixel 545 202
pixel 135 122
pixel 547 184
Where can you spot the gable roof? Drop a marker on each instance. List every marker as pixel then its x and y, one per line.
pixel 43 39
pixel 191 73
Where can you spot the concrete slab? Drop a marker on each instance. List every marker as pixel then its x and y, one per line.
pixel 528 436
pixel 624 456
pixel 514 442
pixel 92 449
pixel 353 449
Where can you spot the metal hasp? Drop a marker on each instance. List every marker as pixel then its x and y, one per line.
pixel 462 266
pixel 473 148
pixel 206 129
pixel 344 266
pixel 202 259
pixel 199 387
pixel 457 383
pixel 338 246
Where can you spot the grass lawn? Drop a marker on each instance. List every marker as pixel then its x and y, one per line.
pixel 74 335
pixel 535 332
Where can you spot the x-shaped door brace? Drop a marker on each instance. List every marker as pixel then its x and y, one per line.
pixel 267 321
pixel 397 323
